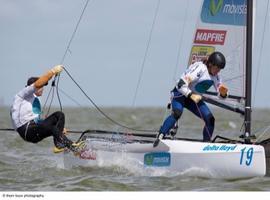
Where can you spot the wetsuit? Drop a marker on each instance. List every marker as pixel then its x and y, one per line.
pixel 26 119
pixel 196 79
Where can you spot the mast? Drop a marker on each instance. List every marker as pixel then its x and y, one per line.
pixel 249 21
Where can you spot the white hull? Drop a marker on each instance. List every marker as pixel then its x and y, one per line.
pixel 215 160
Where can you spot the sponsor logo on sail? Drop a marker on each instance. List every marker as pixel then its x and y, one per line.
pixel 213 37
pixel 157 159
pixel 215 6
pixel 199 53
pixel 224 12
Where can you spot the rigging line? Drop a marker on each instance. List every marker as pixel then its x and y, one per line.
pixel 47 98
pixel 233 78
pixel 50 105
pixel 99 109
pixel 146 54
pixel 7 129
pixel 57 77
pixel 68 96
pixel 50 95
pixel 263 133
pixel 74 32
pixel 49 108
pixel 260 54
pixel 57 92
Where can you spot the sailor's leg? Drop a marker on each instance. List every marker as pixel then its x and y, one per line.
pixel 54 125
pixel 177 109
pixel 56 119
pixel 209 127
pixel 202 111
pixel 30 132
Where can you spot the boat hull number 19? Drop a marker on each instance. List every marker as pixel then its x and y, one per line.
pixel 246 156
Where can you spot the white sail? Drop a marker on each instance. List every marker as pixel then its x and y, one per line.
pixel 222 27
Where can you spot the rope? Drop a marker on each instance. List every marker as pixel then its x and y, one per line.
pixel 74 32
pixel 69 97
pixel 208 132
pixel 7 129
pixel 263 133
pixel 145 54
pixel 57 78
pixel 102 112
pixel 49 94
pixel 50 105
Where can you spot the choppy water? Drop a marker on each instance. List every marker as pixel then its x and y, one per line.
pixel 33 167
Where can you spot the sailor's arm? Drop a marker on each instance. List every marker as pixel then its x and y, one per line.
pixel 43 80
pixel 190 76
pixel 182 86
pixel 221 88
pixel 223 91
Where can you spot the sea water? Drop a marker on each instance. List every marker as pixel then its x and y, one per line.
pixel 34 167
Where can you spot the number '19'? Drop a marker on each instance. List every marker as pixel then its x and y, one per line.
pixel 246 156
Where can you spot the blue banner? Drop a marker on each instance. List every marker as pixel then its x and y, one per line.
pixel 157 159
pixel 229 12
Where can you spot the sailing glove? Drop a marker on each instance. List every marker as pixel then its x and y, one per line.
pixel 196 97
pixel 57 69
pixel 43 80
pixel 223 91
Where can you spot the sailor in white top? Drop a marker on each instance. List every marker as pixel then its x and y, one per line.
pixel 26 114
pixel 26 105
pixel 195 81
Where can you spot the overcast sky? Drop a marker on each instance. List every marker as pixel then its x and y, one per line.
pixel 107 52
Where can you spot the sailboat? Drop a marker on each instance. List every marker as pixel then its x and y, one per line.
pixel 221 24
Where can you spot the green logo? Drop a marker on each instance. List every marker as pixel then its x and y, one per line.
pixel 214 8
pixel 157 159
pixel 148 159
